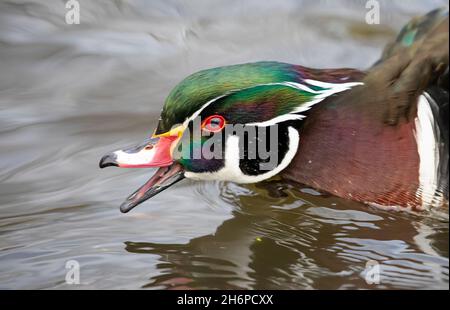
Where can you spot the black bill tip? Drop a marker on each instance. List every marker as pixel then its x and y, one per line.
pixel 108 160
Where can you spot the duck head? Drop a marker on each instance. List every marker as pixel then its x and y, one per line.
pixel 237 123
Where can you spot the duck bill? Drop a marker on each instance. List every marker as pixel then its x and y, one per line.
pixel 162 179
pixel 155 152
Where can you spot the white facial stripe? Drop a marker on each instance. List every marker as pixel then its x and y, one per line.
pixel 232 172
pixel 331 85
pixel 300 86
pixel 426 137
pixel 277 120
pixel 319 96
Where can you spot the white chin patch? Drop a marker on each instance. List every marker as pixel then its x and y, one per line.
pixel 231 171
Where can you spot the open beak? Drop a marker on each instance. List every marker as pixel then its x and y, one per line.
pixel 162 179
pixel 154 152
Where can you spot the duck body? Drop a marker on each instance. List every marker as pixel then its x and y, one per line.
pixel 345 150
pixel 325 126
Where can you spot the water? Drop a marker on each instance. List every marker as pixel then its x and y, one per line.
pixel 69 94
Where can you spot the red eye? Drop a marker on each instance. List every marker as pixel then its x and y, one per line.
pixel 213 123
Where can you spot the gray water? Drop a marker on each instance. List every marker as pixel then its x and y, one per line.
pixel 71 93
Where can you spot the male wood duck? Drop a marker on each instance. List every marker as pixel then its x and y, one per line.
pixel 330 133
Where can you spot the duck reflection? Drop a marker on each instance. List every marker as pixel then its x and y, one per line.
pixel 283 238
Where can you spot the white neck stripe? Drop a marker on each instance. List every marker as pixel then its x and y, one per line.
pixel 231 170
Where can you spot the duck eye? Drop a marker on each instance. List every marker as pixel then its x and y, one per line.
pixel 213 123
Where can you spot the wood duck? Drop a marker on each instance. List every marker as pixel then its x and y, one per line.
pixel 328 131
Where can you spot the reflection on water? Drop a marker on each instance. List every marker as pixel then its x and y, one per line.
pixel 305 241
pixel 68 94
